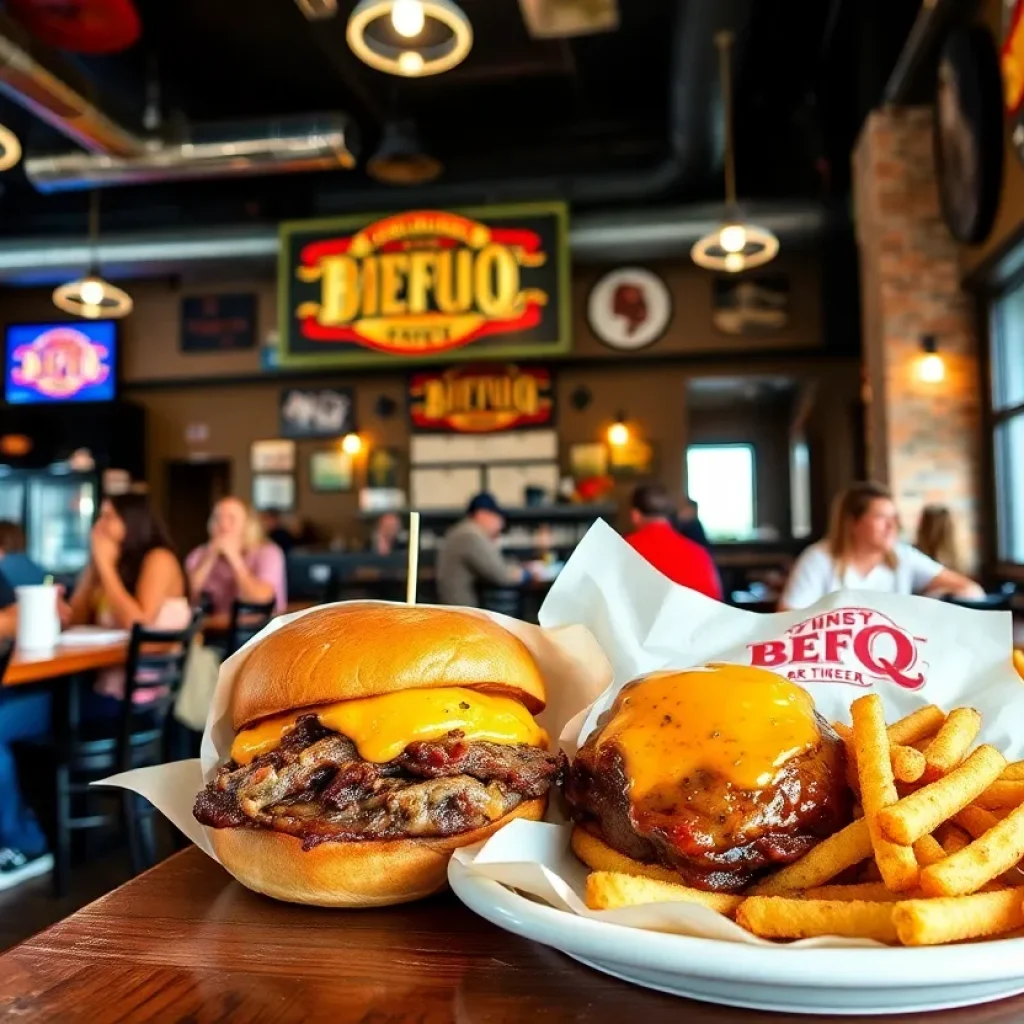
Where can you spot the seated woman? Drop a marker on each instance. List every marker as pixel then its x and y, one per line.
pixel 238 563
pixel 132 576
pixel 862 552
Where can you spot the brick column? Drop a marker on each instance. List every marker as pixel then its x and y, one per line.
pixel 923 439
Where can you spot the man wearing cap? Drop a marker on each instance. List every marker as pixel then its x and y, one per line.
pixel 469 555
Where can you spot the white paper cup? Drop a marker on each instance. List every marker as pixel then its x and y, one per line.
pixel 38 621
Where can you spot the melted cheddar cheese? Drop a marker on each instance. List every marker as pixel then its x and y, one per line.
pixel 382 727
pixel 741 723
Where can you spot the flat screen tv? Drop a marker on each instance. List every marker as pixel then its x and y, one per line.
pixel 60 363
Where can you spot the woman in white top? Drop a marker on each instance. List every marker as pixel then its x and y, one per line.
pixel 862 552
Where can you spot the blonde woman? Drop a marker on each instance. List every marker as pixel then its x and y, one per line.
pixel 238 563
pixel 863 552
pixel 936 535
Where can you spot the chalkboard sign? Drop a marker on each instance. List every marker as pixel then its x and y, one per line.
pixel 218 323
pixel 320 412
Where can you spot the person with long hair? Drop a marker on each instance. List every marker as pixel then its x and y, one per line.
pixel 936 535
pixel 238 563
pixel 863 552
pixel 133 571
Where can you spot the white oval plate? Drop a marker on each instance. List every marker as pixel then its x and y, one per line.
pixel 824 981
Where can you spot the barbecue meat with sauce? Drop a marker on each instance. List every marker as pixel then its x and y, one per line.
pixel 315 786
pixel 717 837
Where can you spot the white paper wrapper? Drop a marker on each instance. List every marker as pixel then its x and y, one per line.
pixel 911 651
pixel 575 672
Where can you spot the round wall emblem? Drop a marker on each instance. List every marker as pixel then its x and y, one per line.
pixel 629 308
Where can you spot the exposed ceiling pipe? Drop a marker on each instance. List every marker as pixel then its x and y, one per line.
pixel 593 238
pixel 25 81
pixel 299 144
pixel 930 25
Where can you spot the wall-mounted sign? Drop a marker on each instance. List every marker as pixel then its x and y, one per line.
pixel 481 399
pixel 218 323
pixel 61 362
pixel 426 284
pixel 319 412
pixel 629 308
pixel 756 303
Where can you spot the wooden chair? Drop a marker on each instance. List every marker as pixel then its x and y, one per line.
pixel 247 619
pixel 137 738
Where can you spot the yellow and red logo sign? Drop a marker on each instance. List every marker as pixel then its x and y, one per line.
pixel 482 399
pixel 425 283
pixel 60 363
pixel 1012 61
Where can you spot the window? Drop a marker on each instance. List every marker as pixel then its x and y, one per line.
pixel 720 479
pixel 1007 324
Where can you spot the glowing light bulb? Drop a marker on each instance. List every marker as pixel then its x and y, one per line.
pixel 407 17
pixel 931 369
pixel 351 444
pixel 91 292
pixel 733 238
pixel 618 434
pixel 410 62
pixel 734 262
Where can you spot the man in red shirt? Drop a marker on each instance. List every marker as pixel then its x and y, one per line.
pixel 654 536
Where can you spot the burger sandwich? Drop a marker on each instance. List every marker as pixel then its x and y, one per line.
pixel 712 776
pixel 371 741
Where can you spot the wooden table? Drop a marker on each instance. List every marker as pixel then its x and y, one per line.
pixel 38 666
pixel 185 942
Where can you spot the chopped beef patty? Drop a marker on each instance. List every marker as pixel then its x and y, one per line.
pixel 317 787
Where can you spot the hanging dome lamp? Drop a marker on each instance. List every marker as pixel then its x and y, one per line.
pixel 736 245
pixel 91 296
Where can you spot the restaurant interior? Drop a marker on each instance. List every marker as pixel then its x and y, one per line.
pixel 346 268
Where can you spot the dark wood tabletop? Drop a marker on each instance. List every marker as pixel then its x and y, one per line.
pixel 38 666
pixel 184 942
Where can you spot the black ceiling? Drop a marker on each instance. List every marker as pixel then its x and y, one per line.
pixel 518 108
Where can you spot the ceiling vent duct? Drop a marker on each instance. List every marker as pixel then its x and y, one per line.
pixel 561 19
pixel 320 143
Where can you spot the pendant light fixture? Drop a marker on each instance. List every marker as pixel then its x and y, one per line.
pixel 90 296
pixel 736 245
pixel 409 38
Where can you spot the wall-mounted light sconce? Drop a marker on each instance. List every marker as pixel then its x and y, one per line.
pixel 351 444
pixel 618 432
pixel 931 368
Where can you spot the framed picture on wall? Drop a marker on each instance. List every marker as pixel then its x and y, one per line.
pixel 331 471
pixel 588 460
pixel 275 456
pixel 273 491
pixel 750 303
pixel 384 468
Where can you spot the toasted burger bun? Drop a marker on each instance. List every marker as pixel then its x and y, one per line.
pixel 362 650
pixel 599 856
pixel 374 873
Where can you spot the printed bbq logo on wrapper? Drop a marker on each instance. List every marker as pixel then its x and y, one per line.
pixel 481 399
pixel 858 646
pixel 60 363
pixel 425 284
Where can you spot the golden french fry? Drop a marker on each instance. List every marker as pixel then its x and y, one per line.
pixel 873 892
pixel 998 850
pixel 1002 793
pixel 922 812
pixel 952 838
pixel 776 917
pixel 1014 772
pixel 831 856
pixel 878 790
pixel 927 850
pixel 907 763
pixel 600 857
pixel 929 922
pixel 975 820
pixel 918 725
pixel 608 890
pixel 951 743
